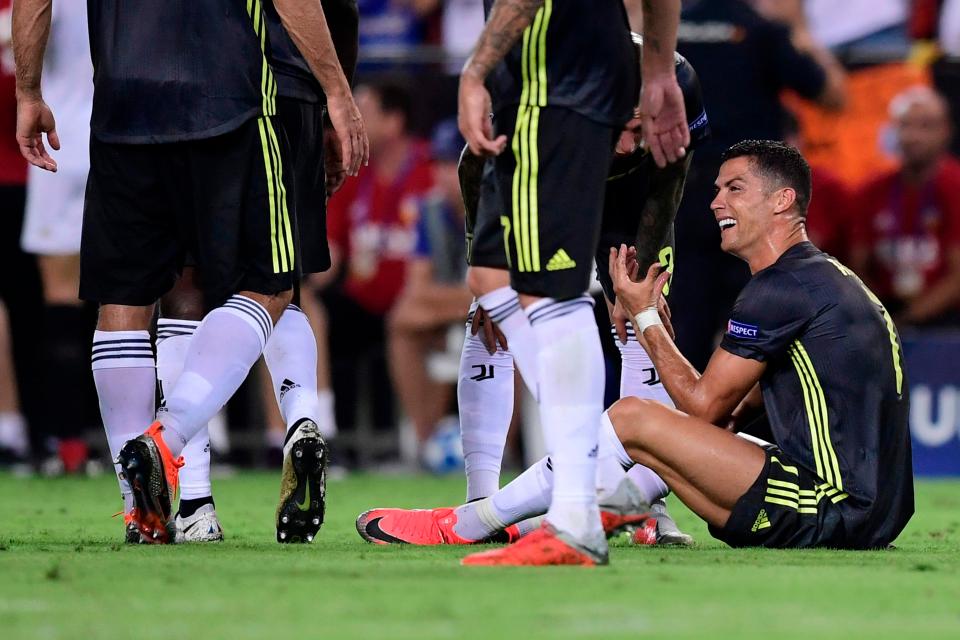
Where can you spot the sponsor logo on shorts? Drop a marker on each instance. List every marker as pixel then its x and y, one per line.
pixel 743 330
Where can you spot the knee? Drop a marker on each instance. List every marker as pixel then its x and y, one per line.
pixel 482 280
pixel 633 419
pixel 182 307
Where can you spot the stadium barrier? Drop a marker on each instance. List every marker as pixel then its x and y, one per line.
pixel 932 360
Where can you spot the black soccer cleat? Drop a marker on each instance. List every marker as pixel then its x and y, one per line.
pixel 141 464
pixel 303 485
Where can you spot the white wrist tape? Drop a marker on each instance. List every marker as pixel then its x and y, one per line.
pixel 646 318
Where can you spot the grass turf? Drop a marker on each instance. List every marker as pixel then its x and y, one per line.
pixel 65 574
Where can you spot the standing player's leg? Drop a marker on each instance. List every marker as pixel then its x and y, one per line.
pixel 233 244
pixel 485 396
pixel 181 311
pixel 551 237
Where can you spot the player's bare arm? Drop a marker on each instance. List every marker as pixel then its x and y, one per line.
pixel 712 396
pixel 31 29
pixel 508 19
pixel 304 20
pixel 662 113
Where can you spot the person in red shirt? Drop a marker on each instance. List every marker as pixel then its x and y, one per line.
pixel 906 237
pixel 371 226
pixel 21 289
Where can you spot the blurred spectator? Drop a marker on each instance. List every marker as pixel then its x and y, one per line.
pixel 907 235
pixel 830 214
pixel 371 228
pixel 860 31
pixel 935 24
pixel 390 30
pixel 20 287
pixel 744 61
pixel 14 446
pixel 434 296
pixel 52 231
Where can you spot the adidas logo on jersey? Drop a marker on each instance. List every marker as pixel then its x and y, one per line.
pixel 762 521
pixel 561 261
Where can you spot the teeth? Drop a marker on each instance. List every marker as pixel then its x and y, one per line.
pixel 726 223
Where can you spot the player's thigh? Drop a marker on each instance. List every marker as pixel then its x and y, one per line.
pixel 551 183
pixel 131 247
pixel 302 123
pixel 245 212
pixel 712 460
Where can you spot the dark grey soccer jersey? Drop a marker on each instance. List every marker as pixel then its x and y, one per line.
pixel 834 389
pixel 172 70
pixel 575 54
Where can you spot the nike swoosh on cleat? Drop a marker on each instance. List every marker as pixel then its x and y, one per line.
pixel 305 505
pixel 374 531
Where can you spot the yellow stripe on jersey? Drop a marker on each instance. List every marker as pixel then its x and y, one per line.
pixel 268 84
pixel 891 329
pixel 812 406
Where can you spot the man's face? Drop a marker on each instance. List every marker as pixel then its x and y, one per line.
pixel 923 132
pixel 742 207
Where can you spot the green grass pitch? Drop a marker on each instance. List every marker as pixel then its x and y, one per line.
pixel 65 574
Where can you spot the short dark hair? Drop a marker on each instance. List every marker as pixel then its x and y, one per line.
pixel 394 98
pixel 777 162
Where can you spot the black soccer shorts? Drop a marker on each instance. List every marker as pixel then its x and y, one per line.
pixel 223 200
pixel 626 194
pixel 549 191
pixel 787 507
pixel 303 124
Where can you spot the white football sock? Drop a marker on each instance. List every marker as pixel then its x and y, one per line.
pixel 291 357
pixel 485 400
pixel 612 459
pixel 173 340
pixel 226 344
pixel 571 379
pixel 503 306
pixel 528 495
pixel 638 376
pixel 126 380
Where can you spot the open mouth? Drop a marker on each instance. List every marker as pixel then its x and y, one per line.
pixel 726 223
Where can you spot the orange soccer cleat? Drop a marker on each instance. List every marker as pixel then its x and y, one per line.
pixel 153 473
pixel 543 547
pixel 614 523
pixel 419 527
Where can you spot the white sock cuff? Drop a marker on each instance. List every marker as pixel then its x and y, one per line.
pixel 549 308
pixel 473 309
pixel 608 436
pixel 251 312
pixel 500 303
pixel 169 328
pixel 632 352
pixel 121 350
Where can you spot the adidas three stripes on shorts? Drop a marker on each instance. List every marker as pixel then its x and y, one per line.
pixel 542 200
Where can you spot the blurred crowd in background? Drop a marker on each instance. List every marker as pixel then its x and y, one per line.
pixel 869 90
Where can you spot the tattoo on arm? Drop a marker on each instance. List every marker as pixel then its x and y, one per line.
pixel 655 230
pixel 507 21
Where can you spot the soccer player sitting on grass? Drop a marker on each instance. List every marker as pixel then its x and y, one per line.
pixel 809 354
pixel 809 350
